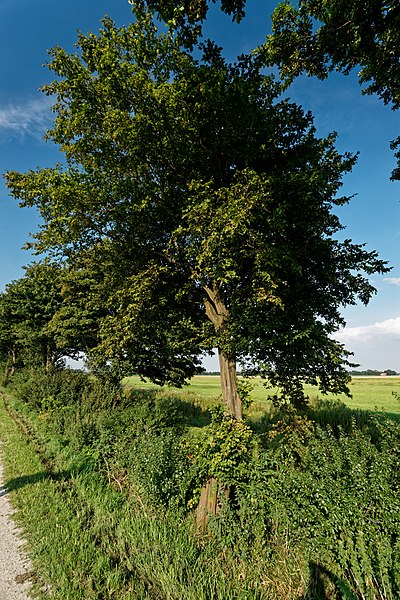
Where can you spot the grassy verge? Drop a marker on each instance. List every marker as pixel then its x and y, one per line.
pixel 88 540
pixel 105 482
pixel 64 551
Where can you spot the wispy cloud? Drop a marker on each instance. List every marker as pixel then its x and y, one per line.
pixel 390 328
pixel 31 118
pixel 392 280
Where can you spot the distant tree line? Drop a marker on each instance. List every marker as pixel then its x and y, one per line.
pixel 372 372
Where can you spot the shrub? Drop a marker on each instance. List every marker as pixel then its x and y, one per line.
pixel 60 388
pixel 338 501
pixel 51 391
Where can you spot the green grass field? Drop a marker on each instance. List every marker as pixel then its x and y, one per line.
pixel 368 393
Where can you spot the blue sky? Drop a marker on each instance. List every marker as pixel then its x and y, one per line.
pixel 363 123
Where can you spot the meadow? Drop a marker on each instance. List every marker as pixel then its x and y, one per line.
pixel 376 394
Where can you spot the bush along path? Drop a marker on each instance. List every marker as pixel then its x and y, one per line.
pixel 91 537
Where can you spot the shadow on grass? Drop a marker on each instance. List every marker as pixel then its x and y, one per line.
pixel 165 408
pixel 20 482
pixel 320 576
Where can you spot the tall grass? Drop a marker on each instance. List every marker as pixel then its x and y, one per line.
pixel 105 484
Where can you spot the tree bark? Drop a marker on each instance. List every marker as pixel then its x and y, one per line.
pixel 218 315
pixel 207 505
pixel 211 500
pixel 231 398
pixel 13 363
pixel 47 358
pixel 6 375
pixel 10 369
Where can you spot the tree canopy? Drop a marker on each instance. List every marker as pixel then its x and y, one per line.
pixel 27 307
pixel 210 201
pixel 317 37
pixel 187 17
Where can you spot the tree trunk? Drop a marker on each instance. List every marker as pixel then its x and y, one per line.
pixel 10 369
pixel 47 358
pixel 230 396
pixel 14 362
pixel 207 505
pixel 218 314
pixel 6 375
pixel 214 494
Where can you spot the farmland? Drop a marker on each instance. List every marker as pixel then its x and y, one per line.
pixel 368 393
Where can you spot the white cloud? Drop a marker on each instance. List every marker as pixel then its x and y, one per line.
pixel 375 346
pixel 19 120
pixel 392 280
pixel 389 329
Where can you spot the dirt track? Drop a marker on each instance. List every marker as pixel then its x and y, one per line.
pixel 15 569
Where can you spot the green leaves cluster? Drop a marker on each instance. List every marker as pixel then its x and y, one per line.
pixel 225 452
pixel 27 307
pixel 316 37
pixel 187 17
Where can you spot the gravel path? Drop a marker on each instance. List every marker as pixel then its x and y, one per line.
pixel 15 569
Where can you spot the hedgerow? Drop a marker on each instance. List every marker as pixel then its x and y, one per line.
pixel 320 500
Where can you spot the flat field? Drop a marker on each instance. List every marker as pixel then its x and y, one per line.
pixel 368 393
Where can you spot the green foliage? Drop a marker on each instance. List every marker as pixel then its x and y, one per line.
pixel 245 388
pixel 194 211
pixel 338 417
pixel 320 36
pixel 41 391
pixel 186 19
pixel 314 501
pixel 224 452
pixel 206 203
pixel 58 389
pixel 160 467
pixel 84 289
pixel 27 307
pixel 338 499
pixel 347 35
pixel 89 541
